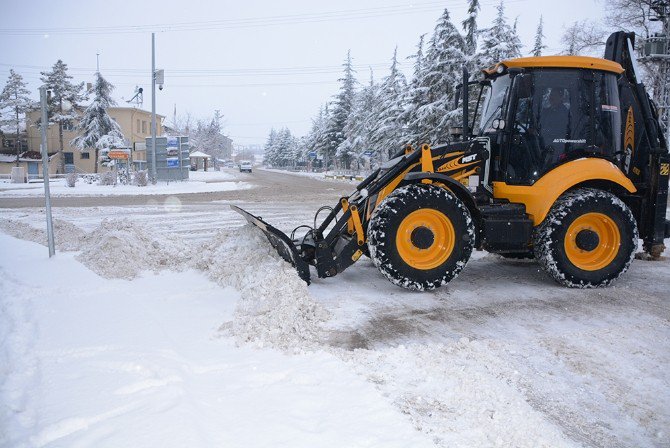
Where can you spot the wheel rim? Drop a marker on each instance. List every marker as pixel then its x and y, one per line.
pixel 580 238
pixel 413 244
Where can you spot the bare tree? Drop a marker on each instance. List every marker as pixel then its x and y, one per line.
pixel 638 16
pixel 583 37
pixel 630 15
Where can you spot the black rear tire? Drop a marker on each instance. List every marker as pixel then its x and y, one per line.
pixel 421 236
pixel 587 240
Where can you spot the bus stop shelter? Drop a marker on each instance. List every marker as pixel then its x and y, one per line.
pixel 199 159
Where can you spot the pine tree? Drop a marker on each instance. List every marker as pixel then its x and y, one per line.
pixel 344 102
pixel 387 137
pixel 539 36
pixel 15 100
pixel 441 73
pixel 269 149
pixel 63 92
pixel 361 124
pixel 316 138
pixel 98 129
pixel 470 27
pixel 413 95
pixel 501 41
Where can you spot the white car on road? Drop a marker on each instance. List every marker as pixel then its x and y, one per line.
pixel 245 165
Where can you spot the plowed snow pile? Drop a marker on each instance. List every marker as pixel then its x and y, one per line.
pixel 66 235
pixel 276 309
pixel 118 248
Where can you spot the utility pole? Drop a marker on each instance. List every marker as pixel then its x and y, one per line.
pixel 655 49
pixel 665 16
pixel 662 10
pixel 45 171
pixel 153 107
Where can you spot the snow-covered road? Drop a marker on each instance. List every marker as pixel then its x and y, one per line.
pixel 501 357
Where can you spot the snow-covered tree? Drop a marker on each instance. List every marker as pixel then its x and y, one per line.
pixel 539 45
pixel 316 138
pixel 501 40
pixel 270 148
pixel 388 131
pixel 470 26
pixel 282 149
pixel 361 124
pixel 439 76
pixel 14 103
pixel 208 137
pixel 344 102
pixel 583 37
pixel 63 93
pixel 97 129
pixel 414 95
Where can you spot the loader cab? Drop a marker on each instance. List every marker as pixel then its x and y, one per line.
pixel 541 117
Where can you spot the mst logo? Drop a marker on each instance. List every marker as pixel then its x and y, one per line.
pixel 469 158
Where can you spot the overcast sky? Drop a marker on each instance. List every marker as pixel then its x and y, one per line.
pixel 261 63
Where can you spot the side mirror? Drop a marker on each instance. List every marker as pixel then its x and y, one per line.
pixel 498 124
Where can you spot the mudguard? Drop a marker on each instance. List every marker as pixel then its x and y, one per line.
pixel 280 241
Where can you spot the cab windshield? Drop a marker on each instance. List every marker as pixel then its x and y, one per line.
pixel 494 103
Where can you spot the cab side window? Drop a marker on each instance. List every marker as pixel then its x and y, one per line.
pixel 552 123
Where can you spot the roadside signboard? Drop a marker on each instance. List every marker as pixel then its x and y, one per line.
pixel 119 154
pixel 172 146
pixel 312 154
pixel 172 158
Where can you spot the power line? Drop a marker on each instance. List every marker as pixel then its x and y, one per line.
pixel 195 73
pixel 250 22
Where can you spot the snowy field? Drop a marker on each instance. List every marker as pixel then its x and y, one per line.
pixel 173 324
pixel 199 182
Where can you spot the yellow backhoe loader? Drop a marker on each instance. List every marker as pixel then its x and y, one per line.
pixel 568 165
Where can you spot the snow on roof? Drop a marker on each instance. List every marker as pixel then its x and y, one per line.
pixel 200 154
pixel 11 158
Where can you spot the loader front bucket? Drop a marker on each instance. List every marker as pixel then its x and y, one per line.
pixel 280 242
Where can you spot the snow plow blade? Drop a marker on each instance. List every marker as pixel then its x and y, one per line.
pixel 280 242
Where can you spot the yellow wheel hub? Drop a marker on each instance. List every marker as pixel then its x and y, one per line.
pixel 592 241
pixel 425 239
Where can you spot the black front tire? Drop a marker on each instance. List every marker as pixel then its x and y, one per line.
pixel 386 222
pixel 557 251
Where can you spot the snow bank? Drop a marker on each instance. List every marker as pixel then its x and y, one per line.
pixel 276 309
pixel 66 235
pixel 461 394
pixel 119 248
pixel 58 188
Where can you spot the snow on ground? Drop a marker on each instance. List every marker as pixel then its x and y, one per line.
pixel 322 175
pixel 501 357
pixel 212 176
pixel 201 182
pixel 109 363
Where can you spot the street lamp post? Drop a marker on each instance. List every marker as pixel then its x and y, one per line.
pixel 45 170
pixel 153 107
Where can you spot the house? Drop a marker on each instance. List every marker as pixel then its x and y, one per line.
pixel 31 161
pixel 135 125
